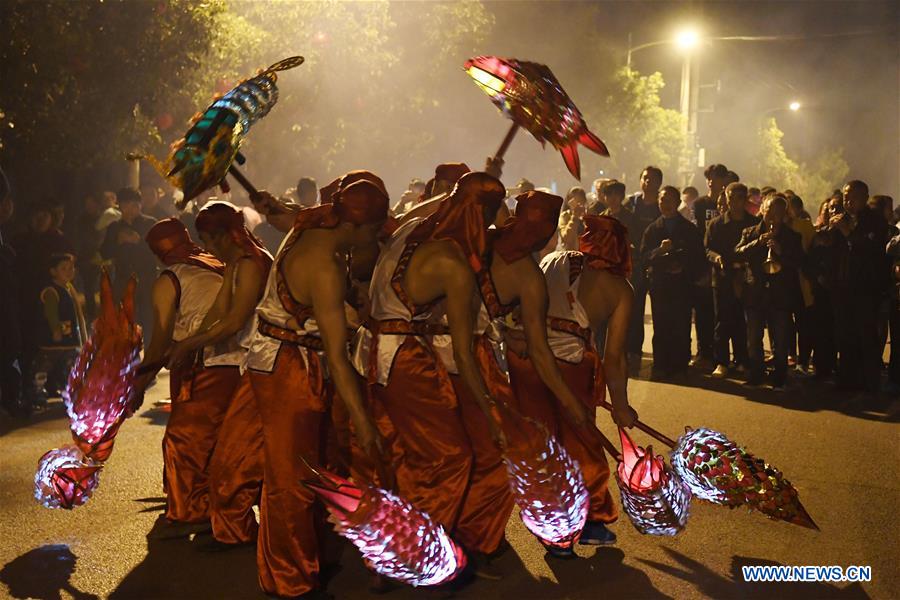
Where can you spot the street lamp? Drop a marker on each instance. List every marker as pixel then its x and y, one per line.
pixel 794 106
pixel 687 39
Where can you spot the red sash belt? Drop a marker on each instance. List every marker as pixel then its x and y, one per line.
pixel 573 328
pixel 292 337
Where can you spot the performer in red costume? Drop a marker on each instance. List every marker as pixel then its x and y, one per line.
pixel 585 289
pixel 302 315
pixel 236 465
pixel 182 295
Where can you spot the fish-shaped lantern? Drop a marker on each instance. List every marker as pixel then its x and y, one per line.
pixel 97 398
pixel 718 470
pixel 200 160
pixel 653 496
pixel 529 94
pixel 395 539
pixel 546 483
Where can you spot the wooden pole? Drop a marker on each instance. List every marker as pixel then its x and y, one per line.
pixel 645 428
pixel 513 130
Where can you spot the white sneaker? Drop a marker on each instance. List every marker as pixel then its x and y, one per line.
pixel 721 372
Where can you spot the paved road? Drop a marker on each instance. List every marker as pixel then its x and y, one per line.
pixel 842 459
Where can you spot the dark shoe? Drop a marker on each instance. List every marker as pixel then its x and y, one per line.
pixel 213 545
pixel 482 567
pixel 560 553
pixel 596 533
pixel 164 529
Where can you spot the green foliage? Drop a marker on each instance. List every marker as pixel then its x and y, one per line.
pixel 813 181
pixel 633 122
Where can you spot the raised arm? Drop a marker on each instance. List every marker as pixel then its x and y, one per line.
pixel 328 307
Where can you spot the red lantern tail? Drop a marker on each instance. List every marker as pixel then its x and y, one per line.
pixel 340 496
pixel 570 156
pixel 803 519
pixel 592 142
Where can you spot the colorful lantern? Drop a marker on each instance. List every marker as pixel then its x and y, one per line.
pixel 396 539
pixel 546 483
pixel 97 401
pixel 65 478
pixel 529 94
pixel 653 496
pixel 205 154
pixel 718 470
pixel 102 380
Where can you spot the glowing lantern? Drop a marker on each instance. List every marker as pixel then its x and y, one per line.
pixel 529 94
pixel 395 539
pixel 65 478
pixel 718 470
pixel 201 159
pixel 546 483
pixel 653 496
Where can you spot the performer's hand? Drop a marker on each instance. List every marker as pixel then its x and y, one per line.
pixel 494 167
pixel 624 416
pixel 497 433
pixel 180 354
pixel 665 245
pixel 774 245
pixel 264 203
pixel 578 413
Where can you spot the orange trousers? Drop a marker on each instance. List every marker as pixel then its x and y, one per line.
pixel 236 469
pixel 293 534
pixel 199 404
pixel 437 471
pixel 489 501
pixel 535 400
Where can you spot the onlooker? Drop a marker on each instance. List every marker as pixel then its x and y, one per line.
pixel 571 220
pixel 644 205
pixel 754 200
pixel 307 192
pixel 819 269
pixel 722 236
pixel 673 250
pixel 774 254
pixel 151 200
pixel 597 205
pixel 124 246
pixel 689 195
pixel 109 211
pixel 87 243
pixel 861 278
pixel 61 331
pixel 800 342
pixel 705 209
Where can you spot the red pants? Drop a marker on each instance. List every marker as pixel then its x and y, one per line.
pixel 489 501
pixel 436 473
pixel 292 530
pixel 535 400
pixel 199 404
pixel 236 469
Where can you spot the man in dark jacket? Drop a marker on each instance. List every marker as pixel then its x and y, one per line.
pixel 643 205
pixel 124 245
pixel 861 276
pixel 722 235
pixel 672 249
pixel 774 254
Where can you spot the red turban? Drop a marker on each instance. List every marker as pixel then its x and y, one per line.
pixel 460 216
pixel 605 245
pixel 537 216
pixel 172 244
pixel 360 203
pixel 224 216
pixel 451 172
pixel 326 194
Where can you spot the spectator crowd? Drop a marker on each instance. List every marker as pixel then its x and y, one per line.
pixel 720 270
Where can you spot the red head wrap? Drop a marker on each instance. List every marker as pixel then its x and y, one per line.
pixel 460 216
pixel 224 216
pixel 451 172
pixel 605 244
pixel 537 216
pixel 172 244
pixel 326 194
pixel 360 203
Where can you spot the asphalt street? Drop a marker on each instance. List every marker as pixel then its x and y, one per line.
pixel 841 455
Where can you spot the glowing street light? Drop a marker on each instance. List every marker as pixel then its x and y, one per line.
pixel 687 39
pixel 794 106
